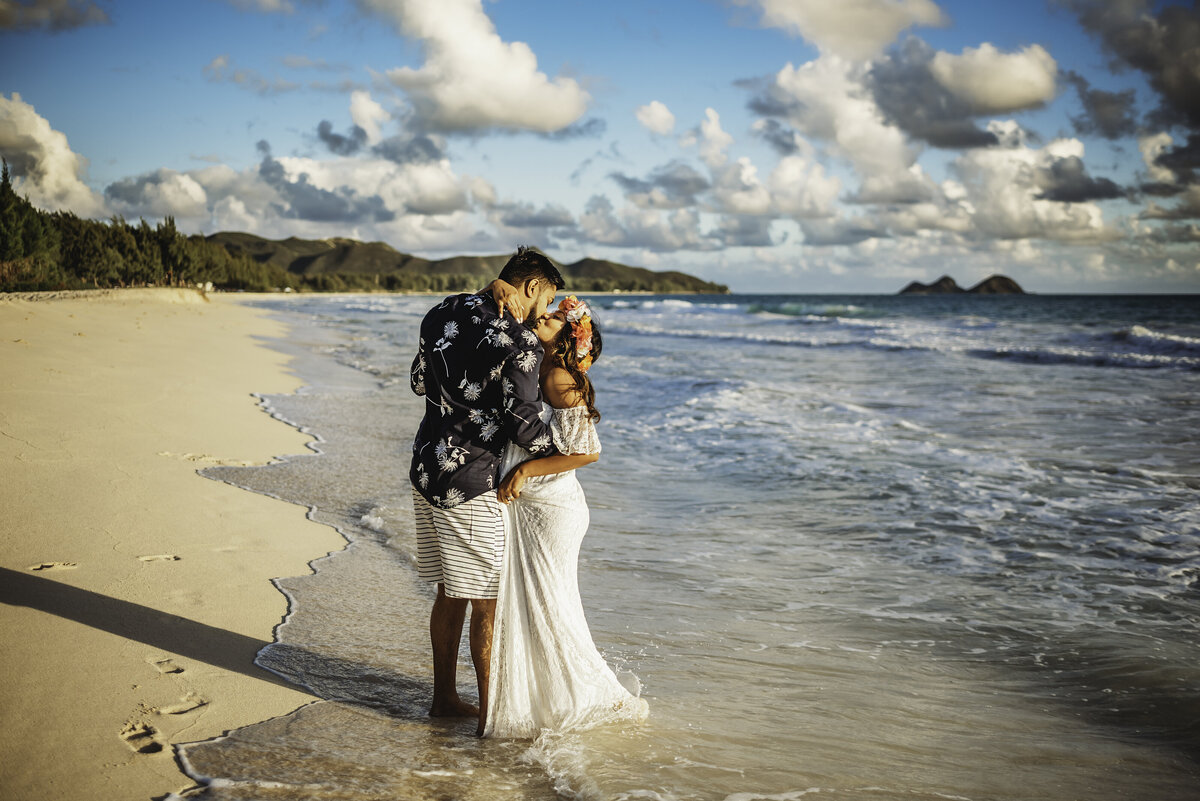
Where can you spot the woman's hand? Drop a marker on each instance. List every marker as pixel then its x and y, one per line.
pixel 506 296
pixel 512 485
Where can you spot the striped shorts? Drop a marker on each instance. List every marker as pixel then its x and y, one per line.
pixel 461 548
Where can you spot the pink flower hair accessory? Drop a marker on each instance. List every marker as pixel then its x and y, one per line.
pixel 579 317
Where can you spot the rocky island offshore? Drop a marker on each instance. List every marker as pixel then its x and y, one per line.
pixel 992 285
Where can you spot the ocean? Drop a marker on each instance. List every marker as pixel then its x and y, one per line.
pixel 853 547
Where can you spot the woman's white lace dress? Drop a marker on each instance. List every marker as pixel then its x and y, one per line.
pixel 545 671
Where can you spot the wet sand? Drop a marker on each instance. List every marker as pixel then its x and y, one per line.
pixel 134 592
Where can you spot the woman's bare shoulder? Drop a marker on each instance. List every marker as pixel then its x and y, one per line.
pixel 558 387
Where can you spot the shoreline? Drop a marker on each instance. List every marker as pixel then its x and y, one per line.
pixel 137 593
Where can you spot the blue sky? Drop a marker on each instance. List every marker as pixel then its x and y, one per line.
pixel 787 145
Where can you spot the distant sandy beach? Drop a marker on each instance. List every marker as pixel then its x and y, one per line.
pixel 135 592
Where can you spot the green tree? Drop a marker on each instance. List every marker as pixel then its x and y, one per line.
pixel 11 219
pixel 173 252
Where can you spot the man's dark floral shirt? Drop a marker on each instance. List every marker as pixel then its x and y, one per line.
pixel 478 371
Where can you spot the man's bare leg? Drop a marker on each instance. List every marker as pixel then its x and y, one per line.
pixel 445 632
pixel 483 618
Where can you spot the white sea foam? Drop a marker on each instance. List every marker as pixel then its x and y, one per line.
pixel 1168 342
pixel 1091 358
pixel 375 519
pixel 971 336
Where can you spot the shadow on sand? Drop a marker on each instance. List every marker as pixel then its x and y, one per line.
pixel 325 677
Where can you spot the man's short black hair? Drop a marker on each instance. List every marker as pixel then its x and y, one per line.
pixel 527 264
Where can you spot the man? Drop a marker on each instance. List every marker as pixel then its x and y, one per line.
pixel 477 367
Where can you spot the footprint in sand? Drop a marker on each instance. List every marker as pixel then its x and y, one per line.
pixel 186 704
pixel 159 557
pixel 165 665
pixel 139 736
pixel 206 459
pixel 54 566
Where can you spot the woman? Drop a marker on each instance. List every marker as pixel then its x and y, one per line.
pixel 545 670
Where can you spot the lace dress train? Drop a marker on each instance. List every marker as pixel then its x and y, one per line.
pixel 545 670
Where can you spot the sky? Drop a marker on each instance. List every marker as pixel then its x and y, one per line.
pixel 771 145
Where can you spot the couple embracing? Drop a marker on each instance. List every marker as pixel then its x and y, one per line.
pixel 509 416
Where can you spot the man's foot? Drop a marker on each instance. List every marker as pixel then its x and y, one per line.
pixel 453 708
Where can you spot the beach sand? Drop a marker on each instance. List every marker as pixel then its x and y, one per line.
pixel 136 592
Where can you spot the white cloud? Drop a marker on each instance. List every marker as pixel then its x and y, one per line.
pixel 915 219
pixel 1008 133
pixel 996 82
pixel 162 193
pixel 827 100
pixel 910 185
pixel 425 234
pixel 230 214
pixel 42 162
pixel 1021 250
pixel 599 224
pixel 246 187
pixel 742 231
pixel 482 192
pixel 641 228
pixel 854 29
pixel 711 140
pixel 368 115
pixel 828 231
pixel 800 188
pixel 215 69
pixel 735 187
pixel 1004 187
pixel 1151 148
pixel 424 189
pixel 674 185
pixel 737 190
pixel 473 80
pixel 656 117
pixel 523 222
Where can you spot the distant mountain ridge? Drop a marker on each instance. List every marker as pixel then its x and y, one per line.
pixel 992 285
pixel 355 262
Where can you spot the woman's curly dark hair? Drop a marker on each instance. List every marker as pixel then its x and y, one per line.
pixel 562 353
